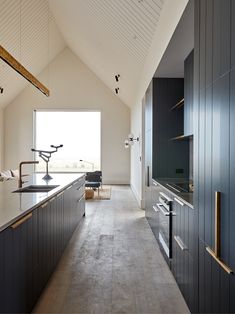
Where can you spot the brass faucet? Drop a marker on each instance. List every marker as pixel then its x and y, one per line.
pixel 20 182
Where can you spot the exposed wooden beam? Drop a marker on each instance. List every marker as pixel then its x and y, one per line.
pixel 18 67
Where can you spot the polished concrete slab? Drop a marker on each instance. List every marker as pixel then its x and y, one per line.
pixel 112 265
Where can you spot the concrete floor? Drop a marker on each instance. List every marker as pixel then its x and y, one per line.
pixel 112 265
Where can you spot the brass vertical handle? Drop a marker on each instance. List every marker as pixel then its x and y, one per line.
pixel 217 252
pixel 217 224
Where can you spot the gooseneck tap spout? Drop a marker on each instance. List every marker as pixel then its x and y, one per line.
pixel 20 182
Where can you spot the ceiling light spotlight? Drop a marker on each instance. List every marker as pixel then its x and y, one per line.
pixel 117 77
pixel 117 90
pixel 1 90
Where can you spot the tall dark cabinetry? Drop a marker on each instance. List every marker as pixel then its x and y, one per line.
pixel 164 157
pixel 214 114
pixel 170 157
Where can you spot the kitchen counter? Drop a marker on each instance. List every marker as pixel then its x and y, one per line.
pixel 16 205
pixel 186 198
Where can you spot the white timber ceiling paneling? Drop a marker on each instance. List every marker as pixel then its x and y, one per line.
pixel 29 32
pixel 111 37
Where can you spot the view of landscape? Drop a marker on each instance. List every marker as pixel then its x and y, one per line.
pixel 80 151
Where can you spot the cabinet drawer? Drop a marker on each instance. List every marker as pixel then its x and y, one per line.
pixel 184 224
pixel 183 269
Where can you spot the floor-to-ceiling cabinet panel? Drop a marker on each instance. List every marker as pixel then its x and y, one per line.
pixel 214 150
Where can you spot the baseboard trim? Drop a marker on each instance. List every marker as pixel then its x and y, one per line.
pixel 139 200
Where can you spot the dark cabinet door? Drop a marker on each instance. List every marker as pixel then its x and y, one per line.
pixel 18 256
pixel 44 245
pixel 152 213
pixel 214 148
pixel 184 256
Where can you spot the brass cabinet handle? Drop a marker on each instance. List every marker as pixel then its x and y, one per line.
pixel 217 224
pixel 79 200
pixel 21 221
pixel 178 201
pixel 59 194
pixel 52 199
pixel 180 243
pixel 69 187
pixel 44 205
pixel 216 254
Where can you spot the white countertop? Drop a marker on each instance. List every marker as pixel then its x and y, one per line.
pixel 15 205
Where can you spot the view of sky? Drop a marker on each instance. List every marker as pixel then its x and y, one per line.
pixel 78 131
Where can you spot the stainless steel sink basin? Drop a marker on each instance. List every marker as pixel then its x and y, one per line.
pixel 36 188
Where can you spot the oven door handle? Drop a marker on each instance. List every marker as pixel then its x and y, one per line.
pixel 161 207
pixel 155 209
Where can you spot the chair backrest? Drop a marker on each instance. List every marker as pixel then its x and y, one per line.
pixel 94 176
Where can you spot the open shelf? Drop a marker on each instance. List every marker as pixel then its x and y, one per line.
pixel 178 105
pixel 182 137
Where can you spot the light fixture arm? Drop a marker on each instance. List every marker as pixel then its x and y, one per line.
pixel 130 140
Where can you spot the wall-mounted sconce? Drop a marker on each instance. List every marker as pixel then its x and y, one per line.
pixel 1 90
pixel 117 90
pixel 117 76
pixel 130 140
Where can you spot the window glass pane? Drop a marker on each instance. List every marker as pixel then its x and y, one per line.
pixel 78 131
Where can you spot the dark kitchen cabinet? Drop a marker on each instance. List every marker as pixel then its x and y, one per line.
pixel 170 157
pixel 214 147
pixel 184 252
pixel 18 261
pixel 51 240
pixel 152 212
pixel 164 157
pixel 188 94
pixel 31 248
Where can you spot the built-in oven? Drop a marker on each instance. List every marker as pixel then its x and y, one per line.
pixel 164 209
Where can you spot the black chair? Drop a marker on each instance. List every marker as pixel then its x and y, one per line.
pixel 93 180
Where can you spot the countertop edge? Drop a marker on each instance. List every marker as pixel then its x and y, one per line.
pixel 40 203
pixel 172 192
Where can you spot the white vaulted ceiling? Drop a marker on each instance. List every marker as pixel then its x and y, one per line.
pixel 126 37
pixel 110 36
pixel 29 32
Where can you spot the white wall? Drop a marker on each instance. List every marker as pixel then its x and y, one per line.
pixel 136 153
pixel 72 86
pixel 172 12
pixel 1 140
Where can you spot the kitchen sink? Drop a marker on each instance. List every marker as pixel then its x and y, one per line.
pixel 36 188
